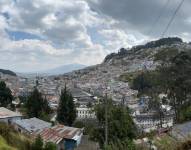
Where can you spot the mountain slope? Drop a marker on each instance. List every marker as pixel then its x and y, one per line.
pixel 138 58
pixel 63 69
pixel 8 72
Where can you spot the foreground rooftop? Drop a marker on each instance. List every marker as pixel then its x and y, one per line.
pixel 6 113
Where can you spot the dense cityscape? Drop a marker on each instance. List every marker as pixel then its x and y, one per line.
pixel 95 75
pixel 89 88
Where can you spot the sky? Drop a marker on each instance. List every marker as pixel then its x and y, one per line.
pixel 42 34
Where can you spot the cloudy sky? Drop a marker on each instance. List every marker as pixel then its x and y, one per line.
pixel 43 34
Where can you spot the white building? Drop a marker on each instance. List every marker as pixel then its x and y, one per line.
pixel 8 116
pixel 150 121
pixel 84 112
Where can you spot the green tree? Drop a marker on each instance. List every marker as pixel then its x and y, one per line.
pixel 178 82
pixel 49 146
pixel 66 112
pixel 37 106
pixel 5 95
pixel 120 124
pixel 173 78
pixel 38 143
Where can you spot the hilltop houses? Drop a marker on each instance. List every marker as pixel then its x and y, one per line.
pixel 147 119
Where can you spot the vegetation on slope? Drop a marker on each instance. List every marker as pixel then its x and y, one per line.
pixel 8 72
pixel 4 145
pixel 129 76
pixel 121 128
pixel 158 43
pixel 173 78
pixel 11 138
pixel 5 95
pixel 153 44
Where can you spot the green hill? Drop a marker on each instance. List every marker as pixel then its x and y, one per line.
pixel 8 72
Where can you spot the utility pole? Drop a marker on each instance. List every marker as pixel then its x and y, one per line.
pixel 123 100
pixel 106 120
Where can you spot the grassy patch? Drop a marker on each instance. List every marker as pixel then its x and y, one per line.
pixel 128 77
pixel 4 145
pixel 165 142
pixel 13 138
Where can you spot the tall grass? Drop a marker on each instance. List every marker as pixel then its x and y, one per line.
pixel 13 138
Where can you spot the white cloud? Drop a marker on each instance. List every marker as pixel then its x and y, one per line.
pixel 117 38
pixel 71 32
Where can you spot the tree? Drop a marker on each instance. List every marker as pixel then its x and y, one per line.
pixel 49 146
pixel 120 124
pixel 37 106
pixel 178 82
pixel 66 112
pixel 5 95
pixel 145 81
pixel 38 143
pixel 173 78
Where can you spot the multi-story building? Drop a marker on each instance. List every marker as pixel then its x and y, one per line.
pixel 151 121
pixel 84 112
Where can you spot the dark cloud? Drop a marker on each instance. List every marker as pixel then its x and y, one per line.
pixel 140 15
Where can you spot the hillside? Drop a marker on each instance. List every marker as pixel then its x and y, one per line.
pixel 153 44
pixel 134 59
pixel 4 145
pixel 8 72
pixel 126 61
pixel 12 140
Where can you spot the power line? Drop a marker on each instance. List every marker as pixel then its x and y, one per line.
pixel 173 16
pixel 161 12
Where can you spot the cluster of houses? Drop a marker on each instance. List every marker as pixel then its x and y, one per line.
pixel 147 119
pixel 65 138
pixel 84 103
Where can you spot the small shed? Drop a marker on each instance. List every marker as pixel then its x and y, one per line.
pixel 66 138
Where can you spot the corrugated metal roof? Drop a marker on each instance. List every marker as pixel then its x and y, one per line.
pixel 6 113
pixel 59 132
pixel 32 124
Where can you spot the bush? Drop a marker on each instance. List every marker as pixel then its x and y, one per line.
pixel 185 114
pixel 50 146
pixel 88 125
pixel 38 144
